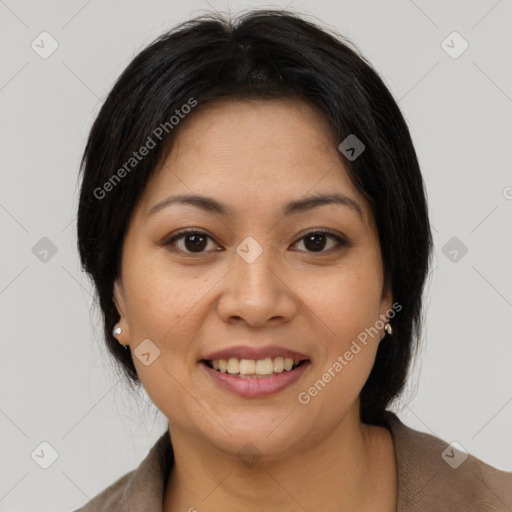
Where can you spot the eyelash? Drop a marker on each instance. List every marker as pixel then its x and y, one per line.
pixel 182 234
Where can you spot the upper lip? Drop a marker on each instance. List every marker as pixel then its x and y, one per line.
pixel 247 352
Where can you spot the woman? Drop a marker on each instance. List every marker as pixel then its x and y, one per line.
pixel 254 219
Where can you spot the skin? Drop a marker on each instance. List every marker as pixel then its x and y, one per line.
pixel 255 156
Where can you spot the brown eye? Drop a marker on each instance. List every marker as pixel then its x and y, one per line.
pixel 196 242
pixel 192 242
pixel 316 241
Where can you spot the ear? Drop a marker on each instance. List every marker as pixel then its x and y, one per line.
pixel 118 298
pixel 386 305
pixel 386 300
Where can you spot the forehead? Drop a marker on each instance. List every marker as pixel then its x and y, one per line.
pixel 264 130
pixel 266 151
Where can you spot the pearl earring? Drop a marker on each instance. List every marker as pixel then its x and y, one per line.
pixel 116 331
pixel 388 329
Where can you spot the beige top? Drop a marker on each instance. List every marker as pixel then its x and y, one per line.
pixel 427 482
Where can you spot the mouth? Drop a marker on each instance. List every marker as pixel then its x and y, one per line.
pixel 255 378
pixel 254 368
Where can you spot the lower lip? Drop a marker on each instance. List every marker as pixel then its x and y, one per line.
pixel 256 388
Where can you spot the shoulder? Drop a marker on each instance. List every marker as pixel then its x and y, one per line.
pixel 143 486
pixel 434 474
pixel 111 498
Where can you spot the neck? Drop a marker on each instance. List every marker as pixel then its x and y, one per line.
pixel 353 468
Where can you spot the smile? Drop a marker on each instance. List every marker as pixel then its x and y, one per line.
pixel 253 368
pixel 255 378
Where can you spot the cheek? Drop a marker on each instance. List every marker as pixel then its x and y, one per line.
pixel 163 308
pixel 346 313
pixel 348 302
pixel 159 299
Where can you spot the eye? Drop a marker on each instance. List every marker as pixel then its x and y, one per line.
pixel 315 240
pixel 195 242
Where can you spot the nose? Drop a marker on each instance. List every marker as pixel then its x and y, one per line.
pixel 258 292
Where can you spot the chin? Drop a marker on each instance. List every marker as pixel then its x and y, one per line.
pixel 261 434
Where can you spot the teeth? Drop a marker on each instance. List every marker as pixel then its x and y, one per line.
pixel 247 366
pixel 278 364
pixel 233 365
pixel 251 367
pixel 264 366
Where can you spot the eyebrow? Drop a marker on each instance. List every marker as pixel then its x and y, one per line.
pixel 211 205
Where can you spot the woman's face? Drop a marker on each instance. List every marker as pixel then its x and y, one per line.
pixel 252 282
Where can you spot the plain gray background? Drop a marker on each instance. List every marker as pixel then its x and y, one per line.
pixel 57 383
